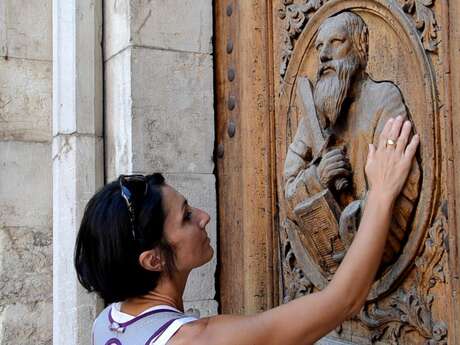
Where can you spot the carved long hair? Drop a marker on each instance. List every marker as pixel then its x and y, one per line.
pixel 359 34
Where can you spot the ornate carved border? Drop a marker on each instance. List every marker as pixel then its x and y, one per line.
pixel 411 309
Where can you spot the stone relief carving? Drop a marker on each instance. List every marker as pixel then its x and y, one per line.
pixel 295 16
pixel 335 108
pixel 345 111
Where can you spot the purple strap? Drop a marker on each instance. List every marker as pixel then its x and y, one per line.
pixel 113 341
pixel 160 330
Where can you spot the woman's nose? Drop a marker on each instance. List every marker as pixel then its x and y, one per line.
pixel 205 218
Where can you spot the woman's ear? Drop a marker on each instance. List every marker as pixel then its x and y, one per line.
pixel 152 260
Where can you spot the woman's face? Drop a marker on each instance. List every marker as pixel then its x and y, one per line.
pixel 185 231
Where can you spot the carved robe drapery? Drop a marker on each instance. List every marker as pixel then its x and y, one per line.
pixel 369 109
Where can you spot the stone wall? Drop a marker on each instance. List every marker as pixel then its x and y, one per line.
pixel 25 172
pixel 78 162
pixel 159 113
pixel 158 117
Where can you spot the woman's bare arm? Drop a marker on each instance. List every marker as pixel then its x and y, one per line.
pixel 308 318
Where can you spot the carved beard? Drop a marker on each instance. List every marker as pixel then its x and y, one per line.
pixel 331 89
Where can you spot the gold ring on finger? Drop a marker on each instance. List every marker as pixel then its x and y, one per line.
pixel 390 142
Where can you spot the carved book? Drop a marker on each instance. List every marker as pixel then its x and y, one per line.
pixel 318 217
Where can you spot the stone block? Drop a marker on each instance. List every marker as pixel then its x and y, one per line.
pixel 29 324
pixel 118 118
pixel 26 265
pixel 199 190
pixel 117 29
pixel 173 115
pixel 182 25
pixel 201 308
pixel 77 174
pixel 77 67
pixel 26 29
pixel 25 100
pixel 25 184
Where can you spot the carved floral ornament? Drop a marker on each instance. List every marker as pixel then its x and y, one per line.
pixel 295 15
pixel 406 310
pixel 411 309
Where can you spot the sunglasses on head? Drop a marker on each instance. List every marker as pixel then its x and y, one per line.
pixel 132 188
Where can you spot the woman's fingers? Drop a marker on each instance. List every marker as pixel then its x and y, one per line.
pixel 395 129
pixel 412 147
pixel 384 136
pixel 371 152
pixel 403 137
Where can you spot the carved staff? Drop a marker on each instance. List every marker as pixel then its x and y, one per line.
pixel 319 137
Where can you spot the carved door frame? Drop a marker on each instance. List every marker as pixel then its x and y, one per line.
pixel 246 87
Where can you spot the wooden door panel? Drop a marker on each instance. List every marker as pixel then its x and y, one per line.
pixel 284 224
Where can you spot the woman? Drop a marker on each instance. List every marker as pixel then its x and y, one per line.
pixel 139 240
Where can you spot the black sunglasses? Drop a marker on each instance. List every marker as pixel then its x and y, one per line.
pixel 132 188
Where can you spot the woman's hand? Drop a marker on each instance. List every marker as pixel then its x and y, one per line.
pixel 389 164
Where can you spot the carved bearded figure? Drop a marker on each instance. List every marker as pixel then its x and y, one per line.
pixel 343 113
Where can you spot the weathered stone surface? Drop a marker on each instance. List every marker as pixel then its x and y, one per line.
pixel 26 324
pixel 29 252
pixel 173 122
pixel 26 29
pixel 184 25
pixel 77 67
pixel 117 30
pixel 171 128
pixel 199 190
pixel 77 171
pixel 118 108
pixel 201 308
pixel 77 156
pixel 173 24
pixel 25 184
pixel 25 102
pixel 25 244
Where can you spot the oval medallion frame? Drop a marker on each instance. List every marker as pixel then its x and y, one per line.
pixel 425 117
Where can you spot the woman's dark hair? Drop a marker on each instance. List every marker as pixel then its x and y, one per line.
pixel 106 252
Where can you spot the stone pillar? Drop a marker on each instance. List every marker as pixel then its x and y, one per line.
pixel 25 172
pixel 77 156
pixel 159 112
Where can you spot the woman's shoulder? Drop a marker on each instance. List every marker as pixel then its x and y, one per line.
pixel 190 333
pixel 153 326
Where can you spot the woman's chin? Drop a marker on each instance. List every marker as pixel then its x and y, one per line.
pixel 210 254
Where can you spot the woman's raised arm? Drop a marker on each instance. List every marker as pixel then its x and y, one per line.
pixel 307 319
